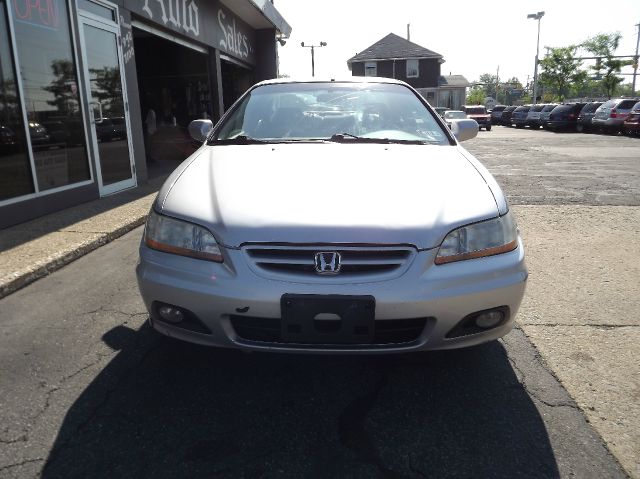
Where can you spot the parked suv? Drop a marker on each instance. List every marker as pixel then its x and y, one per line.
pixel 611 115
pixel 586 115
pixel 479 114
pixel 565 116
pixel 505 119
pixel 533 117
pixel 496 114
pixel 519 116
pixel 631 125
pixel 545 113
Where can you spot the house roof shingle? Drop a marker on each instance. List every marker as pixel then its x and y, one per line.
pixel 453 80
pixel 393 46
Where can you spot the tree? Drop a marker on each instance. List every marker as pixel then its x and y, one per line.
pixel 605 45
pixel 561 69
pixel 488 84
pixel 65 98
pixel 476 96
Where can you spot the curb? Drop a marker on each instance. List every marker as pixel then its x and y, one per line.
pixel 54 263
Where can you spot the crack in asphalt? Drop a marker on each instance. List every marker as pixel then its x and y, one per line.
pixel 352 430
pixel 23 438
pixel 604 326
pixel 535 395
pixel 55 453
pixel 22 463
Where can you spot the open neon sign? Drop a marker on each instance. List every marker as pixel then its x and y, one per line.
pixel 44 13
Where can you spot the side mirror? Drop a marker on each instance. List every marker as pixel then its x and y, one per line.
pixel 200 129
pixel 464 129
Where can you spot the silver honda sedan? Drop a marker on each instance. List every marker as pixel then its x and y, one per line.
pixel 334 217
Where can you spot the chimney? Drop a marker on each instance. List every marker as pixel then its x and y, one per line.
pixel 408 32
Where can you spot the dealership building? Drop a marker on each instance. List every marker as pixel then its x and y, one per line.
pixel 96 94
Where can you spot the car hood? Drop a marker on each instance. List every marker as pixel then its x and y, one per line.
pixel 329 193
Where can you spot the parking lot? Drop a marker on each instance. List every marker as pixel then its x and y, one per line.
pixel 88 390
pixel 576 197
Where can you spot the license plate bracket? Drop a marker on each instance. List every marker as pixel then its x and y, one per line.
pixel 301 322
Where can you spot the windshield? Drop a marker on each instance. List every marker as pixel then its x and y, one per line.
pixel 476 111
pixel 325 111
pixel 454 115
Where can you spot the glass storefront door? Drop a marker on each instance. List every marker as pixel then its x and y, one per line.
pixel 109 114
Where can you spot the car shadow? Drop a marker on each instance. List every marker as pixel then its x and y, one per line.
pixel 162 408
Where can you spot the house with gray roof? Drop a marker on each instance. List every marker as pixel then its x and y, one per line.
pixel 396 57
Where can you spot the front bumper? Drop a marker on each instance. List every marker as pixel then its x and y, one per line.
pixel 216 293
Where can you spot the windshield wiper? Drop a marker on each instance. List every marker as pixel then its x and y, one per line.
pixel 348 137
pixel 239 140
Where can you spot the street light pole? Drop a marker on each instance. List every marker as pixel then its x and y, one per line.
pixel 635 63
pixel 536 16
pixel 313 47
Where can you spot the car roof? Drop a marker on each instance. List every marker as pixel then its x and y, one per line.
pixel 352 79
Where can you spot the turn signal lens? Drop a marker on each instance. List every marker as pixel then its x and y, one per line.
pixel 174 236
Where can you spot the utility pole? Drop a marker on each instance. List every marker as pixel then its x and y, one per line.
pixel 635 63
pixel 536 16
pixel 497 83
pixel 313 65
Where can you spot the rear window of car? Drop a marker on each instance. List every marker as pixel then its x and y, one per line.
pixel 548 108
pixel 537 108
pixel 609 104
pixel 563 108
pixel 626 104
pixel 591 107
pixel 522 108
pixel 476 111
pixel 499 108
pixel 636 107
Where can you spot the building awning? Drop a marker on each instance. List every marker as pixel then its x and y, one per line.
pixel 259 14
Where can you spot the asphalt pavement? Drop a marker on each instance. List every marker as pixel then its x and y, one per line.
pixel 87 389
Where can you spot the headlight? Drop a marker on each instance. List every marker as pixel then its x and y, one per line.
pixel 180 237
pixel 487 238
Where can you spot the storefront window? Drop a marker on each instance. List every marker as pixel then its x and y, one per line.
pixel 50 85
pixel 15 170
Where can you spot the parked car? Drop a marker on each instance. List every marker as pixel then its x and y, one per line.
pixel 250 245
pixel 39 136
pixel 479 114
pixel 610 116
pixel 545 113
pixel 59 135
pixel 519 116
pixel 586 115
pixel 440 110
pixel 105 129
pixel 565 116
pixel 505 118
pixel 8 138
pixel 454 115
pixel 631 125
pixel 533 117
pixel 496 114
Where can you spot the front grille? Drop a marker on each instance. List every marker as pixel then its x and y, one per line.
pixel 387 332
pixel 356 261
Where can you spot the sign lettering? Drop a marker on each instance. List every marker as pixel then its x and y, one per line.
pixel 43 13
pixel 183 14
pixel 233 40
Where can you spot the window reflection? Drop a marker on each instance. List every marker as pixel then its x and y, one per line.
pixel 15 170
pixel 50 85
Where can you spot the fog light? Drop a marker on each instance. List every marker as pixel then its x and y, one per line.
pixel 489 319
pixel 171 314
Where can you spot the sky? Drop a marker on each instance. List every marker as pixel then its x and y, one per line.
pixel 474 37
